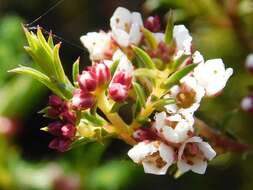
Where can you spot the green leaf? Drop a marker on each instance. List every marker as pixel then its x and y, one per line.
pixel 144 72
pixel 116 106
pixel 94 119
pixel 57 64
pixel 144 57
pixel 149 36
pixel 169 28
pixel 50 41
pixel 179 62
pixel 175 77
pixel 113 67
pixel 75 70
pixel 141 97
pixel 40 77
pixel 143 120
pixel 163 102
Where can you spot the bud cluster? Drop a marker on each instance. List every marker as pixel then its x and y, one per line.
pixel 64 129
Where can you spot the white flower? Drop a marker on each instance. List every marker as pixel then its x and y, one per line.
pixel 98 44
pixel 212 75
pixel 155 156
pixel 173 128
pixel 188 96
pixel 126 27
pixel 183 40
pixel 193 155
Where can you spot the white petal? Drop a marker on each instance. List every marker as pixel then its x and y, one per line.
pixel 159 36
pixel 167 154
pixel 140 151
pixel 120 18
pixel 197 57
pixel 183 166
pixel 199 166
pixel 160 120
pixel 182 38
pixel 207 150
pixel 135 34
pixel 136 18
pixel 121 37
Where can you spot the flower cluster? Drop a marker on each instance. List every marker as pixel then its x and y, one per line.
pixel 158 75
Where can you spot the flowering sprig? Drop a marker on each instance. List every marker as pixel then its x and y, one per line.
pixel 157 74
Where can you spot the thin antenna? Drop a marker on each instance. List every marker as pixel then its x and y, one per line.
pixel 45 13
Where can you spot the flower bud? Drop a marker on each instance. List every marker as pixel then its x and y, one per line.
pixel 68 131
pixel 60 144
pixel 153 23
pixel 101 73
pixel 82 100
pixel 247 104
pixel 53 112
pixel 118 92
pixel 124 78
pixel 87 81
pixel 68 117
pixel 54 101
pixel 55 128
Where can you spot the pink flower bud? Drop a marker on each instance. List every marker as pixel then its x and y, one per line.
pixel 68 117
pixel 68 131
pixel 124 78
pixel 153 23
pixel 60 144
pixel 247 104
pixel 82 100
pixel 118 92
pixel 101 72
pixel 87 81
pixel 55 101
pixel 55 128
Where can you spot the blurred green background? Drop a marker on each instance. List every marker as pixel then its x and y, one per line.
pixel 220 28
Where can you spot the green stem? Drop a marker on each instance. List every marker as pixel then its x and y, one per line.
pixel 120 127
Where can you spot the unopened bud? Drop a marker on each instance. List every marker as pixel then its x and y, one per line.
pixel 153 23
pixel 68 131
pixel 87 81
pixel 68 117
pixel 124 78
pixel 101 72
pixel 60 144
pixel 55 101
pixel 118 92
pixel 55 128
pixel 82 100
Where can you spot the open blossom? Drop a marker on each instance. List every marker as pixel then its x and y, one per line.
pixel 126 27
pixel 156 157
pixel 212 75
pixel 183 39
pixel 174 129
pixel 99 45
pixel 188 95
pixel 194 154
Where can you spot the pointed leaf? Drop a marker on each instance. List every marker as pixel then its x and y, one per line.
pixel 149 36
pixel 141 97
pixel 40 77
pixel 175 77
pixel 57 64
pixel 163 102
pixel 169 28
pixel 75 70
pixel 144 72
pixel 114 67
pixel 144 57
